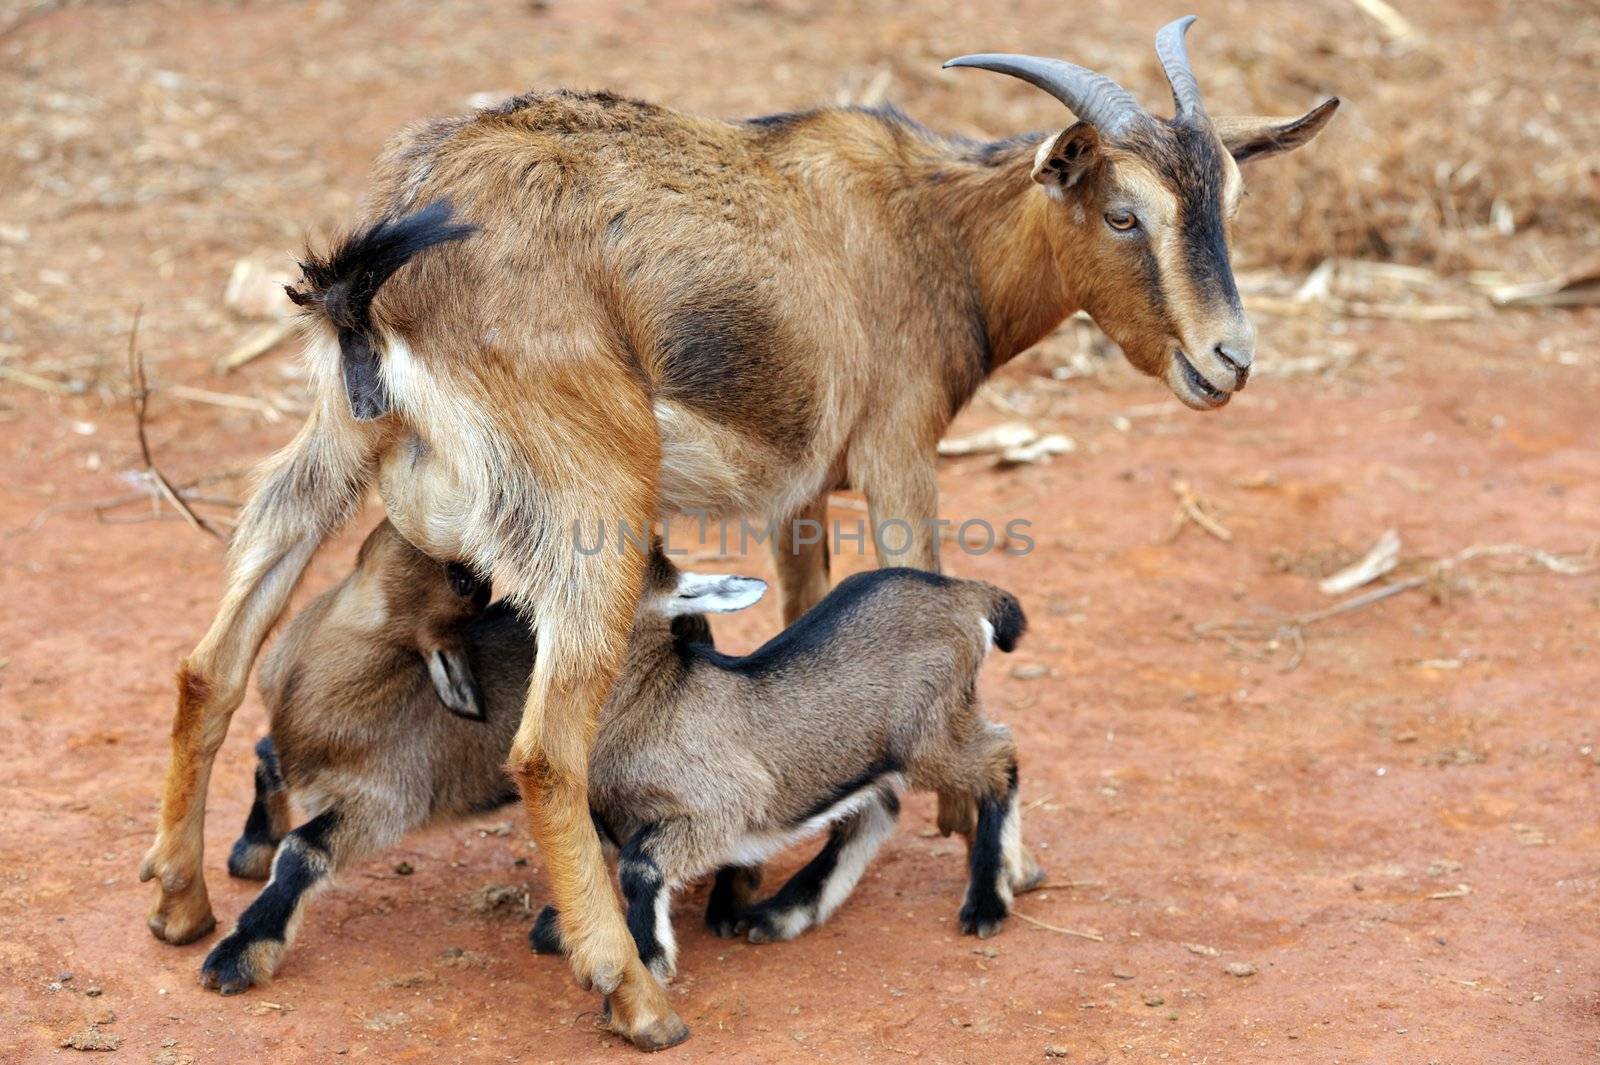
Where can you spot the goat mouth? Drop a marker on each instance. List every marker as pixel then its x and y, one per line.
pixel 1203 393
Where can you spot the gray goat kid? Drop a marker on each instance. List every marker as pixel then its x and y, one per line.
pixel 704 762
pixel 709 762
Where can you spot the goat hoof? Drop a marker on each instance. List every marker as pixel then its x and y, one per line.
pixel 980 924
pixel 660 1034
pixel 228 969
pixel 250 860
pixel 727 927
pixel 545 935
pixel 1029 882
pixel 177 921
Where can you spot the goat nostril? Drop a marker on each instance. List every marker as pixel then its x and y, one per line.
pixel 1238 359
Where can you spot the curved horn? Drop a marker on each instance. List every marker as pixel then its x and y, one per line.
pixel 1175 61
pixel 1094 98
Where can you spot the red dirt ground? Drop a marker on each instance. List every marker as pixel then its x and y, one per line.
pixel 1196 803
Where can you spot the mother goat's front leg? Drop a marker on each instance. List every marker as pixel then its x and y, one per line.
pixel 309 489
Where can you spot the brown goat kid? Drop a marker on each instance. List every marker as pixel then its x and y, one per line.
pixel 643 312
pixel 704 762
pixel 358 735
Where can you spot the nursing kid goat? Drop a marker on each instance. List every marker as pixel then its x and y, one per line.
pixel 575 310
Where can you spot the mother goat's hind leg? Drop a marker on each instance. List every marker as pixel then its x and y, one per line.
pixel 309 490
pixel 570 462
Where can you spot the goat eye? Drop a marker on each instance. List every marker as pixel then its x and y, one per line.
pixel 1121 221
pixel 462 581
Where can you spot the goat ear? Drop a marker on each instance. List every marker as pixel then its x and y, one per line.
pixel 1063 159
pixel 1252 136
pixel 704 593
pixel 455 682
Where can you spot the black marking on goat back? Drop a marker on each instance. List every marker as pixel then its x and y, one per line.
pixel 722 355
pixel 783 120
pixel 816 626
pixel 879 768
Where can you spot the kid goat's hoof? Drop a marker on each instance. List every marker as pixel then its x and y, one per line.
pixel 251 861
pixel 728 926
pixel 545 935
pixel 982 921
pixel 229 969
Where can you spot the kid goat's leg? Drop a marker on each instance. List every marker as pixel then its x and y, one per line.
pixel 307 859
pixel 999 865
pixel 267 822
pixel 309 490
pixel 731 894
pixel 812 895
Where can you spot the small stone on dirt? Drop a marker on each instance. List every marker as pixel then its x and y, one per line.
pixel 492 898
pixel 1122 974
pixel 93 991
pixel 1030 672
pixel 1443 867
pixel 1154 1000
pixel 1201 948
pixel 987 952
pixel 1053 1051
pixel 1240 968
pixel 1459 756
pixel 419 978
pixel 382 1022
pixel 90 1037
pixel 261 1009
pixel 172 1057
pixel 404 868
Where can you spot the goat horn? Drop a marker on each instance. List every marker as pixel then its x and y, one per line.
pixel 1094 98
pixel 1175 61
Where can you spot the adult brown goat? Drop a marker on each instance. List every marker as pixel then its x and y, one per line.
pixel 644 312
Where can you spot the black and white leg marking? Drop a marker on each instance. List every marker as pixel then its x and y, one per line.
pixel 731 894
pixel 994 861
pixel 647 897
pixel 267 822
pixel 251 952
pixel 817 890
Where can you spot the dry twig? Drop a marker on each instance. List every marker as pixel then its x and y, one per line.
pixel 1193 508
pixel 140 392
pixel 1095 936
pixel 1292 630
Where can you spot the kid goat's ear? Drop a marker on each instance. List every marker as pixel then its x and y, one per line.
pixel 704 593
pixel 454 681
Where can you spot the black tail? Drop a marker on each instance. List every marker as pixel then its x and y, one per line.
pixel 342 285
pixel 1009 622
